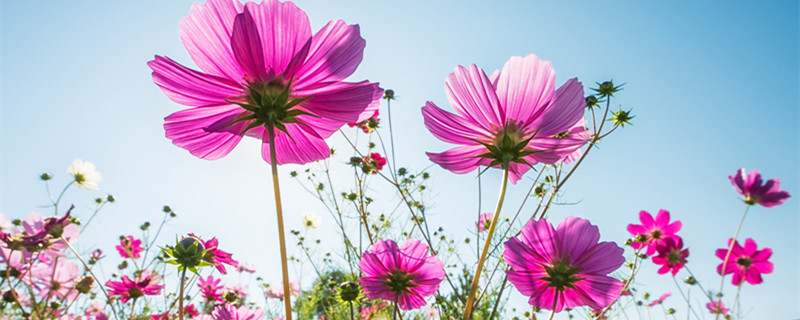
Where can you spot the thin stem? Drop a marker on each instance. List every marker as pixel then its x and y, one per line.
pixel 685 298
pixel 58 200
pixel 394 313
pixel 180 298
pixel 502 287
pixel 736 300
pixel 555 303
pixel 279 211
pixel 8 279
pixel 728 255
pixel 391 134
pixel 351 310
pixel 102 287
pixel 133 304
pixel 486 245
pixel 627 283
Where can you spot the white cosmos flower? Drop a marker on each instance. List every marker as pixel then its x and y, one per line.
pixel 85 175
pixel 311 219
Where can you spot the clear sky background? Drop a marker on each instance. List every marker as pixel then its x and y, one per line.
pixel 713 85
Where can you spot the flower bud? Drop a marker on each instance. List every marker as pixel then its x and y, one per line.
pixel 349 291
pixel 167 209
pixel 46 176
pixel 670 311
pixel 690 281
pixel 388 94
pixel 187 242
pixel 110 198
pixel 85 285
pixel 591 101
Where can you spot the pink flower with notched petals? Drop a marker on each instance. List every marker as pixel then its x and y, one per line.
pixel 56 279
pixel 129 247
pixel 749 186
pixel 567 264
pixel 251 55
pixel 671 256
pixel 145 283
pixel 653 230
pixel 231 312
pixel 403 274
pixel 210 288
pixel 660 299
pixel 746 263
pixel 216 256
pixel 516 112
pixel 485 221
pixel 717 307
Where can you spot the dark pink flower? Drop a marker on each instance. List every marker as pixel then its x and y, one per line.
pixel 129 247
pixel 749 186
pixel 216 256
pixel 210 288
pixel 746 263
pixel 231 312
pixel 403 274
pixel 485 221
pixel 369 124
pixel 671 255
pixel 514 116
pixel 653 231
pixel 567 264
pixel 163 316
pixel 190 311
pixel 373 162
pixel 145 284
pixel 262 66
pixel 717 307
pixel 660 299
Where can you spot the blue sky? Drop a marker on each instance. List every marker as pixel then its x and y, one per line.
pixel 714 87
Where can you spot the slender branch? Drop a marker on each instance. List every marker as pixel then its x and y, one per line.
pixel 279 213
pixel 86 266
pixel 728 255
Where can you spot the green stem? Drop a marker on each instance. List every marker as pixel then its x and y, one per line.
pixel 486 245
pixel 279 211
pixel 180 298
pixel 555 303
pixel 728 255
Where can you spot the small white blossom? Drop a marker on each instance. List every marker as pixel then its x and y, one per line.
pixel 311 220
pixel 85 174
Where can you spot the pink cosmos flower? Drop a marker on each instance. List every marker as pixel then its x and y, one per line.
pixel 369 124
pixel 277 292
pixel 567 264
pixel 653 231
pixel 215 255
pixel 243 267
pixel 129 247
pixel 373 162
pixel 717 307
pixel 403 274
pixel 231 312
pixel 56 280
pixel 237 289
pixel 485 221
pixel 95 309
pixel 210 288
pixel 749 186
pixel 515 113
pixel 162 316
pixel 190 311
pixel 660 299
pixel 671 256
pixel 146 283
pixel 370 312
pixel 746 263
pixel 251 56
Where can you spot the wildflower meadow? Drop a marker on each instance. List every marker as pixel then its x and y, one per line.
pixel 310 160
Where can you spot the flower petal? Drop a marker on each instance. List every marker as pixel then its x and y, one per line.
pixel 460 160
pixel 284 31
pixel 336 51
pixel 340 101
pixel 525 88
pixel 577 236
pixel 204 132
pixel 472 95
pixel 299 144
pixel 247 47
pixel 452 128
pixel 206 34
pixel 189 87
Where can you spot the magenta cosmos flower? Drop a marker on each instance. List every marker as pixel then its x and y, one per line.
pixel 145 284
pixel 403 274
pixel 567 264
pixel 231 312
pixel 652 232
pixel 671 256
pixel 746 263
pixel 129 247
pixel 717 307
pixel 210 288
pixel 751 188
pixel 263 67
pixel 215 255
pixel 485 221
pixel 514 116
pixel 660 299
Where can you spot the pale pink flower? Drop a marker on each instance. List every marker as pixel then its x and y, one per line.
pixel 653 230
pixel 248 52
pixel 95 308
pixel 515 115
pixel 485 221
pixel 239 290
pixel 56 280
pixel 129 247
pixel 243 267
pixel 746 263
pixel 749 186
pixel 717 307
pixel 405 275
pixel 231 312
pixel 671 256
pixel 277 292
pixel 567 265
pixel 660 299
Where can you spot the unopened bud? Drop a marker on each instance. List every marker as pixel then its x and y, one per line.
pixel 45 176
pixel 349 291
pixel 85 285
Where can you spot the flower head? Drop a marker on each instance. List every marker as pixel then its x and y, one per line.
pixel 652 232
pixel 511 119
pixel 372 163
pixel 746 263
pixel 750 187
pixel 210 288
pixel 403 274
pixel 57 279
pixel 368 125
pixel 485 221
pixel 311 220
pixel 671 256
pixel 277 292
pixel 145 283
pixel 231 312
pixel 129 247
pixel 567 265
pixel 84 174
pixel 216 256
pixel 263 70
pixel 660 299
pixel 717 307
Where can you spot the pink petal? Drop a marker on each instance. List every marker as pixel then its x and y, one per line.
pixel 603 258
pixel 300 144
pixel 206 34
pixel 189 87
pixel 284 31
pixel 452 128
pixel 472 95
pixel 646 219
pixel 577 236
pixel 597 291
pixel 525 88
pixel 247 48
pixel 636 229
pixel 520 258
pixel 203 131
pixel 517 170
pixel 762 255
pixel 410 301
pixel 662 218
pixel 566 110
pixel 340 101
pixel 540 236
pixel 461 159
pixel 750 246
pixel 335 53
pixel 763 267
pixel 414 252
pixel 526 282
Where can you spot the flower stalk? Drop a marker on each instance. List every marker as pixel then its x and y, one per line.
pixel 279 211
pixel 728 255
